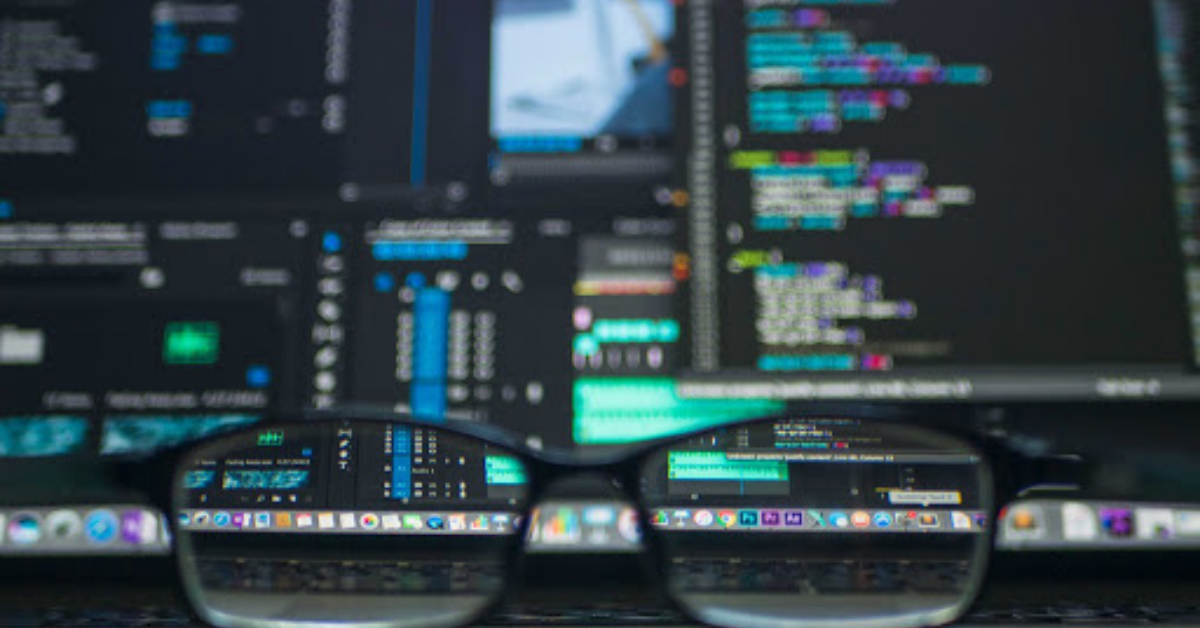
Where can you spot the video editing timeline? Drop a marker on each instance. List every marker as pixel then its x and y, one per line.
pixel 523 322
pixel 115 341
pixel 230 99
pixel 582 90
pixel 868 217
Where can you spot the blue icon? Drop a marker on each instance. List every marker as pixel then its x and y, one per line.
pixel 331 242
pixel 306 452
pixel 101 526
pixel 434 522
pixel 221 519
pixel 415 280
pixel 839 520
pixel 6 210
pixel 748 518
pixel 882 520
pixel 258 376
pixel 185 519
pixel 262 520
pixel 385 282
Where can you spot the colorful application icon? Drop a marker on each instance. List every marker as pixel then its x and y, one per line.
pixel 839 519
pixel 501 521
pixel 412 522
pixel 960 521
pixel 793 518
pixel 661 519
pixel 391 521
pixel 771 518
pixel 101 526
pixel 326 521
pixel 599 515
pixel 479 523
pixel 861 519
pixel 748 518
pixel 627 525
pixel 1117 522
pixel 458 522
pixel 239 520
pixel 138 528
pixel 435 522
pixel 283 520
pixel 262 520
pixel 222 519
pixel 1155 524
pixel 369 521
pixel 184 519
pixel 1079 522
pixel 25 528
pixel 1024 522
pixel 681 517
pixel 728 518
pixel 817 519
pixel 64 525
pixel 882 520
pixel 928 520
pixel 703 518
pixel 347 521
pixel 201 518
pixel 304 520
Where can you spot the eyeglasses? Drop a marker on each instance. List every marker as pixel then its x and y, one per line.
pixel 365 520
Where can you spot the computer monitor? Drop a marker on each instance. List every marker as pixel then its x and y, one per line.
pixel 217 213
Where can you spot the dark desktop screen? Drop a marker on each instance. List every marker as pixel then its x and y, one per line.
pixel 589 221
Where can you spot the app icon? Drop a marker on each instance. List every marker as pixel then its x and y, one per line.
pixel 980 520
pixel 960 521
pixel 434 522
pixel 262 519
pixel 283 520
pixel 882 520
pixel 185 519
pixel 1187 522
pixel 479 523
pixel 681 517
pixel 304 520
pixel 928 520
pixel 748 518
pixel 138 528
pixel 860 519
pixel 457 522
pixel 793 518
pixel 1155 524
pixel 222 519
pixel 1025 522
pixel 599 515
pixel 391 521
pixel 839 520
pixel 239 520
pixel 627 525
pixel 24 529
pixel 201 518
pixel 64 525
pixel 412 522
pixel 346 521
pixel 771 518
pixel 817 519
pixel 703 518
pixel 101 526
pixel 501 521
pixel 1117 522
pixel 661 519
pixel 369 521
pixel 326 521
pixel 1079 522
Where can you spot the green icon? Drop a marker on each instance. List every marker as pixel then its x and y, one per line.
pixel 270 439
pixel 191 343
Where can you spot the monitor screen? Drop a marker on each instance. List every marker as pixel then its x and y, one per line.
pixel 592 222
